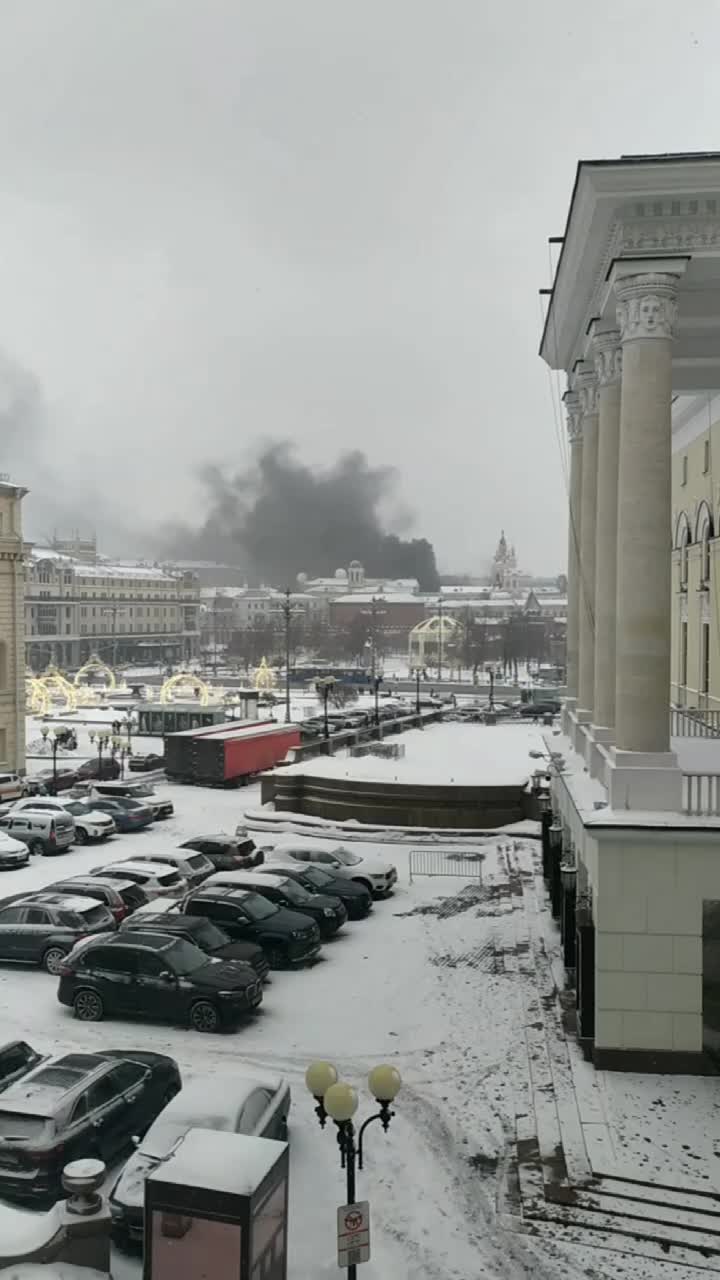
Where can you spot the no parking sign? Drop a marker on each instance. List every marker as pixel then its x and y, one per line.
pixel 353 1233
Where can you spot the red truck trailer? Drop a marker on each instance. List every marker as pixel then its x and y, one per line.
pixel 227 755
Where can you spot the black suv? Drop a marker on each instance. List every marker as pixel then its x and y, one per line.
pixel 121 896
pixel 286 937
pixel 328 913
pixel 41 928
pixel 227 853
pixel 77 1106
pixel 354 897
pixel 203 934
pixel 157 976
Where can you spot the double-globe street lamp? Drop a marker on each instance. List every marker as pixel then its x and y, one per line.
pixel 339 1100
pixel 55 741
pixel 103 738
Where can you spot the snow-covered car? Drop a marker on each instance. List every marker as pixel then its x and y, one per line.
pixel 156 879
pixel 359 863
pixel 255 1105
pixel 90 824
pixel 193 867
pixel 141 791
pixel 13 853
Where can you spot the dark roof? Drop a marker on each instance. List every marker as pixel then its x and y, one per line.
pixel 219 891
pixel 153 941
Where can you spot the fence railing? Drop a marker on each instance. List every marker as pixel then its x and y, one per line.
pixel 694 723
pixel 436 862
pixel 701 794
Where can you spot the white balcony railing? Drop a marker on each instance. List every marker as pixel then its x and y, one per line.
pixel 688 722
pixel 701 794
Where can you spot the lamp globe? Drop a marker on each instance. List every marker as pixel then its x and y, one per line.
pixel 341 1101
pixel 384 1083
pixel 319 1077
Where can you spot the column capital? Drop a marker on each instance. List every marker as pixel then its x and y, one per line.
pixel 607 356
pixel 571 400
pixel 646 305
pixel 586 385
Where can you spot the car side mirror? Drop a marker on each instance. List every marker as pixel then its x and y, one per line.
pixel 335 865
pixel 167 976
pixel 136 1140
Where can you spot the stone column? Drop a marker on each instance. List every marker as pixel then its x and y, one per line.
pixel 574 430
pixel 608 367
pixel 587 386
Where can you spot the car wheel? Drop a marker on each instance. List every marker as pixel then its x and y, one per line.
pixel 36 846
pixel 52 960
pixel 87 1006
pixel 277 958
pixel 81 835
pixel 204 1017
pixel 365 884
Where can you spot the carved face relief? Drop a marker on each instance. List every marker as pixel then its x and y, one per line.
pixel 651 312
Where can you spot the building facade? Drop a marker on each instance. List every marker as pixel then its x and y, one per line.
pixel 633 322
pixel 125 613
pixel 12 628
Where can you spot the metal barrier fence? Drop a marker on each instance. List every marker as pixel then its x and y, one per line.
pixel 436 862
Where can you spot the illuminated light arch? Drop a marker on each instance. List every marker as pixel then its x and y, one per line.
pixel 56 684
pixel 264 677
pixel 96 664
pixel 37 698
pixel 185 678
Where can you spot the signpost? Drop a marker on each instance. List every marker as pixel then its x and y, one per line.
pixel 353 1233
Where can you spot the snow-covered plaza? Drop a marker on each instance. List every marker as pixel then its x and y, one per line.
pixel 500 1124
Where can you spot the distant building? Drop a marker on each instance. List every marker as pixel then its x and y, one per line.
pixel 124 612
pixel 12 627
pixel 505 573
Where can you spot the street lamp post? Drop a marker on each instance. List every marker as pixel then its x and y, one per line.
pixel 103 738
pixel 54 744
pixel 440 638
pixel 339 1101
pixel 288 611
pixel 377 681
pixel 323 687
pixel 417 690
pixel 373 613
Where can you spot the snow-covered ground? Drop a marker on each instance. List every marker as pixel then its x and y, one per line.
pixel 464 754
pixel 430 983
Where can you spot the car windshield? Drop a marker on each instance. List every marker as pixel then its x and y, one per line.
pixel 348 859
pixel 78 807
pixel 142 789
pixel 314 876
pixel 185 958
pixel 208 935
pixel 93 916
pixel 258 908
pixel 295 892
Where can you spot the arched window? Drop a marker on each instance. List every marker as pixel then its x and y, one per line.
pixel 705 562
pixel 704 533
pixel 682 544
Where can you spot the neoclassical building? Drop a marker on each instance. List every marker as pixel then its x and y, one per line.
pixel 633 325
pixel 12 628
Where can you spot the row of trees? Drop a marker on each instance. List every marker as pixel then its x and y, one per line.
pixel 509 643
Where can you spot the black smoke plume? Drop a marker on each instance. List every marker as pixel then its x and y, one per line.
pixel 282 517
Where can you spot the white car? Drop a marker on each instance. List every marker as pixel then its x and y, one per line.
pixel 13 853
pixel 193 867
pixel 90 824
pixel 156 879
pixel 359 863
pixel 256 1105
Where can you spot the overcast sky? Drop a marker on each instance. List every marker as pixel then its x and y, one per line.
pixel 223 221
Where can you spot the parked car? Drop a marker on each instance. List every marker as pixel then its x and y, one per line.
pixel 541 707
pixel 120 896
pixel 141 791
pixel 128 815
pixel 355 897
pixel 77 1106
pixel 360 863
pixel 255 1105
pixel 286 937
pixel 158 976
pixel 50 782
pixel 162 916
pixel 139 763
pixel 193 867
pixel 226 852
pixel 156 879
pixel 96 769
pixel 12 786
pixel 46 833
pixel 328 913
pixel 90 823
pixel 13 853
pixel 17 1057
pixel 42 928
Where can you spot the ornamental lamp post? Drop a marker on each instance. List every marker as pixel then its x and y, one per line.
pixel 377 681
pixel 338 1100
